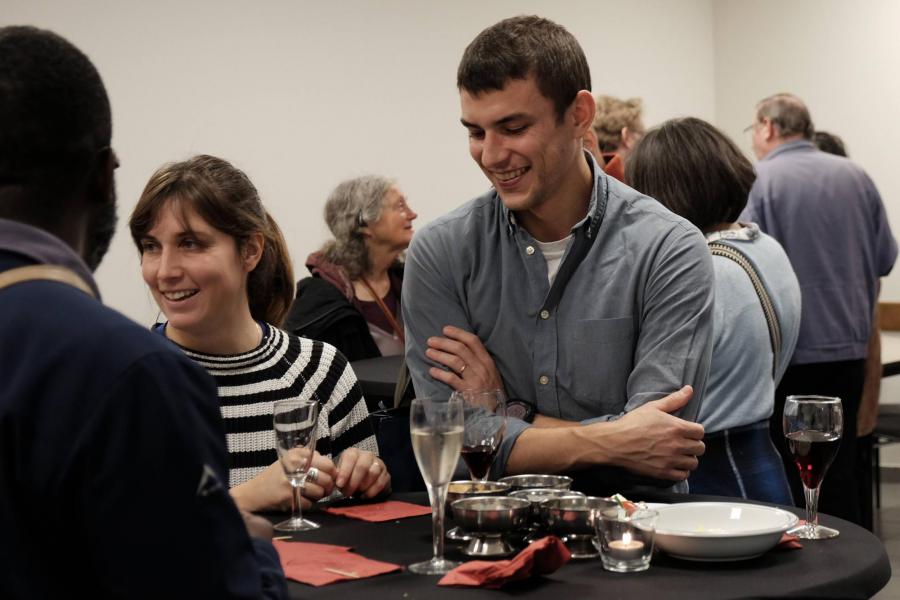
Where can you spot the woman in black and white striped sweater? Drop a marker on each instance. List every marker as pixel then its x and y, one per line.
pixel 217 266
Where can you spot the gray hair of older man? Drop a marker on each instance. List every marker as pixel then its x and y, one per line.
pixel 788 113
pixel 351 206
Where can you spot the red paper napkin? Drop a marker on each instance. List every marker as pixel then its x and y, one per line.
pixel 388 510
pixel 540 558
pixel 788 542
pixel 321 564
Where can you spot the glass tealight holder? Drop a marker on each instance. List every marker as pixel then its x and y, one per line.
pixel 626 540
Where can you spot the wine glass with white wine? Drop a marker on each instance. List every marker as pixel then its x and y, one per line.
pixel 295 440
pixel 436 428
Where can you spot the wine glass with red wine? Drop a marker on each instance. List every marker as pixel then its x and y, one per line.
pixel 813 426
pixel 484 411
pixel 485 424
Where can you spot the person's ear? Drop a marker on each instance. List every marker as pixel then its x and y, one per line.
pixel 252 251
pixel 582 112
pixel 102 182
pixel 768 132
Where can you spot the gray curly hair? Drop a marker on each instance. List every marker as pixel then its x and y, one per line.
pixel 350 207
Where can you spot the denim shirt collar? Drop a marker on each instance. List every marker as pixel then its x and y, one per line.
pixel 596 207
pixel 43 248
pixel 790 147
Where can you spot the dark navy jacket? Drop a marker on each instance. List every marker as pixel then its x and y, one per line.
pixel 113 479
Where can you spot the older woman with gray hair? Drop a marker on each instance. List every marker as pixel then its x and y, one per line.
pixel 352 299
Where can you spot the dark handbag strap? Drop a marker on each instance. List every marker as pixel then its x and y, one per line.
pixel 44 273
pixel 404 380
pixel 391 319
pixel 730 252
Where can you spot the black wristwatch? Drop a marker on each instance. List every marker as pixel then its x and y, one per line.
pixel 520 409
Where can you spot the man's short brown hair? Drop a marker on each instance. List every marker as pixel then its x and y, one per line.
pixel 524 46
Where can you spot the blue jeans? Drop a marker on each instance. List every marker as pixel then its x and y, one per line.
pixel 742 462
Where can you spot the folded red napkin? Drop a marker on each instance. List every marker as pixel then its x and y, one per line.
pixel 388 510
pixel 540 558
pixel 788 542
pixel 321 564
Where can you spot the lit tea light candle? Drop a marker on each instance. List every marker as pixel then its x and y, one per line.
pixel 626 548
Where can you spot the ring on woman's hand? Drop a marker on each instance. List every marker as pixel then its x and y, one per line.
pixel 463 369
pixel 312 474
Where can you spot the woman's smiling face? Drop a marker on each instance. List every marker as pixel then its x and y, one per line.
pixel 196 273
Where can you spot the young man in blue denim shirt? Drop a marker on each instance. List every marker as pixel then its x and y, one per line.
pixel 583 299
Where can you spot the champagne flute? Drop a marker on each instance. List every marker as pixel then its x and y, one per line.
pixel 295 440
pixel 813 426
pixel 436 428
pixel 485 424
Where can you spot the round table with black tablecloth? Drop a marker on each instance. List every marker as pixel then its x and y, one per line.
pixel 853 565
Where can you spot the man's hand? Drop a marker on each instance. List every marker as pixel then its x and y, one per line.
pixel 270 490
pixel 650 441
pixel 470 365
pixel 361 472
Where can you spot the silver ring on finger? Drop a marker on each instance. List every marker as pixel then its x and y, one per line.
pixel 312 475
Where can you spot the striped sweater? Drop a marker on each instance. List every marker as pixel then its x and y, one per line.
pixel 285 366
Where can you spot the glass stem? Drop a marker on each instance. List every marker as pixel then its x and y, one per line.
pixel 438 495
pixel 812 508
pixel 297 512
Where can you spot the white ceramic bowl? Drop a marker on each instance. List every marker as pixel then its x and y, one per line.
pixel 720 531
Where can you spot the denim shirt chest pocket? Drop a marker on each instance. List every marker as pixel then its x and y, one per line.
pixel 601 358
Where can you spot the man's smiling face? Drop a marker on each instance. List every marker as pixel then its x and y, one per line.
pixel 521 146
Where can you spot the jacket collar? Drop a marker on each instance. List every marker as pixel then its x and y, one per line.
pixel 43 248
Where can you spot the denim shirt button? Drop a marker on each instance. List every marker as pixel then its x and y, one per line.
pixel 544 380
pixel 529 250
pixel 545 314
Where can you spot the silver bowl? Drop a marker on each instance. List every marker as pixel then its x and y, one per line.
pixel 537 496
pixel 572 518
pixel 467 489
pixel 524 482
pixel 488 519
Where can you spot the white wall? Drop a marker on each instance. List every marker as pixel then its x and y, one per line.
pixel 842 58
pixel 304 94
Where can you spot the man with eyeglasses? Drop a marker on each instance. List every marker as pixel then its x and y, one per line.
pixel 828 215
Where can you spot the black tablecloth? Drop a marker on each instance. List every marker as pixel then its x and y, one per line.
pixel 854 565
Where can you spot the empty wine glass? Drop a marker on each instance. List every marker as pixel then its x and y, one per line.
pixel 436 428
pixel 813 426
pixel 485 424
pixel 295 440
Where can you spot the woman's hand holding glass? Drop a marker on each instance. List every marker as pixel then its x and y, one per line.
pixel 271 490
pixel 295 424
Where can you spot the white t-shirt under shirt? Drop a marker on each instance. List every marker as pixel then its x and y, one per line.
pixel 553 253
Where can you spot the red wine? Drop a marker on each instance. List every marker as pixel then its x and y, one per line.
pixel 479 459
pixel 813 452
